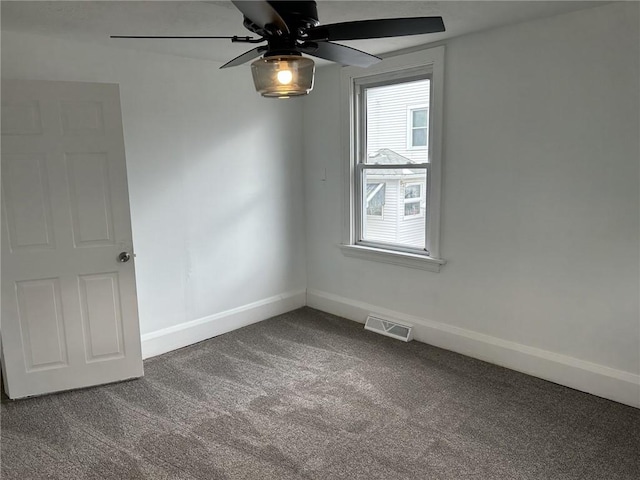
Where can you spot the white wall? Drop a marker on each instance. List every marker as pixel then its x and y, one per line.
pixel 215 176
pixel 540 219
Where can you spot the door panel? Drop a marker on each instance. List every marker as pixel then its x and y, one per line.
pixel 101 318
pixel 69 308
pixel 81 118
pixel 22 117
pixel 40 315
pixel 25 185
pixel 90 199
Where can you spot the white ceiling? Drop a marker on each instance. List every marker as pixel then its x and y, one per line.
pixel 94 21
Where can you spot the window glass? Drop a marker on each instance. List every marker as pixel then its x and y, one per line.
pixel 412 191
pixel 375 199
pixel 403 222
pixel 419 138
pixel 419 130
pixel 420 118
pixel 397 121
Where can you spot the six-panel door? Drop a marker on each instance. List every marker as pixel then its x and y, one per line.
pixel 69 310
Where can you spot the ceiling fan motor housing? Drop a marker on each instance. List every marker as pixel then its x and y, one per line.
pixel 298 15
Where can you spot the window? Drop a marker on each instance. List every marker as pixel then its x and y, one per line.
pixel 418 121
pixel 413 200
pixel 375 199
pixel 395 118
pixel 382 109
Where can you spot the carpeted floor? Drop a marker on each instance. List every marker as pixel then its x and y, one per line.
pixel 307 395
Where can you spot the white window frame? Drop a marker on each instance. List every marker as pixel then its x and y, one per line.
pixel 430 63
pixel 411 128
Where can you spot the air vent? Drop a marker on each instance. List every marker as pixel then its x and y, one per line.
pixel 390 328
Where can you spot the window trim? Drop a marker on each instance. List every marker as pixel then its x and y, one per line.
pixel 394 67
pixel 411 128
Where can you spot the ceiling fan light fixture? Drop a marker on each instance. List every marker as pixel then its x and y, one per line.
pixel 283 76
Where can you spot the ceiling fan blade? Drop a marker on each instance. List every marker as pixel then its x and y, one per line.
pixel 262 14
pixel 386 27
pixel 236 38
pixel 339 53
pixel 245 57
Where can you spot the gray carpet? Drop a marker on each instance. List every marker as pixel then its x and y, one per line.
pixel 308 395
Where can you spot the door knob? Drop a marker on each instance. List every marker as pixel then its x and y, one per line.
pixel 124 257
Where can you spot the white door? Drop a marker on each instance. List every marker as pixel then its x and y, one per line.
pixel 69 309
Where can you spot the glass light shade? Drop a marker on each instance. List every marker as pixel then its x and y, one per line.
pixel 283 76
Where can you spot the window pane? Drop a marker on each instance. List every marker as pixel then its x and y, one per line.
pixel 375 198
pixel 404 206
pixel 412 191
pixel 372 187
pixel 411 208
pixel 419 118
pixel 419 138
pixel 389 133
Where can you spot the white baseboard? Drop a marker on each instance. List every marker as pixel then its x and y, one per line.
pixel 188 333
pixel 617 385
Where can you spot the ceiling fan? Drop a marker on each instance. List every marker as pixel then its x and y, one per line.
pixel 291 28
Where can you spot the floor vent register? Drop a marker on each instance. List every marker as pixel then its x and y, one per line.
pixel 390 328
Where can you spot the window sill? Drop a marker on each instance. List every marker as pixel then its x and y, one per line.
pixel 412 260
